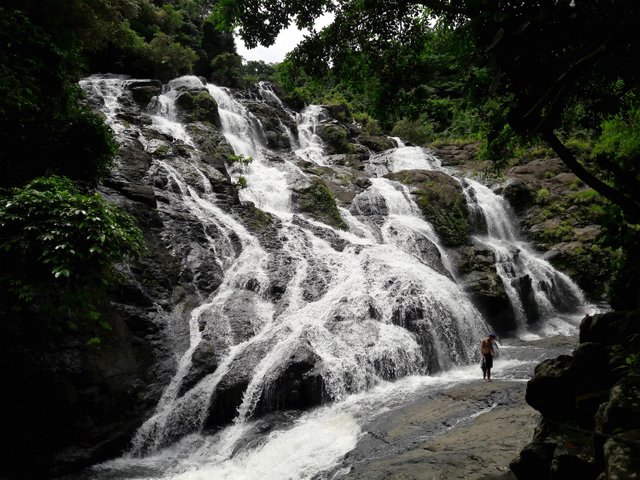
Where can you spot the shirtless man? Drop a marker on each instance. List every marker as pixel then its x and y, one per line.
pixel 487 350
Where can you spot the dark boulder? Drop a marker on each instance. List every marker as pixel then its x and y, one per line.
pixel 335 138
pixel 339 111
pixel 558 451
pixel 317 201
pixel 518 194
pixel 198 107
pixel 524 287
pixel 143 91
pixel 298 386
pixel 442 202
pixel 376 143
pixel 477 273
pixel 622 410
pixel 204 361
pixel 622 456
pixel 369 203
pixel 552 389
pixel 610 328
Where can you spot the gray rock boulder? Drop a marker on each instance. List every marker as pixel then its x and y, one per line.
pixel 552 389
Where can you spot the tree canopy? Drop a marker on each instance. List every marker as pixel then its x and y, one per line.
pixel 552 63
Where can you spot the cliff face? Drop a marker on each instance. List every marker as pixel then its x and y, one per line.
pixel 590 403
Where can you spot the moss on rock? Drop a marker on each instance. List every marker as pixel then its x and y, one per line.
pixel 198 107
pixel 335 138
pixel 318 202
pixel 440 198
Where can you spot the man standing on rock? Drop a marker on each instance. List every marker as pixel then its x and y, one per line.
pixel 487 350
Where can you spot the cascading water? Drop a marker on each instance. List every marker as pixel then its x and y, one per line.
pixel 375 302
pixel 311 146
pixel 528 279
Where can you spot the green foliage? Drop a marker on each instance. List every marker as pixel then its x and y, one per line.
pixel 59 247
pixel 585 197
pixel 226 69
pixel 563 232
pixel 542 196
pixel 168 57
pixel 254 71
pixel 42 123
pixel 368 123
pixel 242 182
pixel 619 140
pixel 417 131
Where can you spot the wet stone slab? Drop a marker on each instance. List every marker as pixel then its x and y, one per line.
pixel 469 431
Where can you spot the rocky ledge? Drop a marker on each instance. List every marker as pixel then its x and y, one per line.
pixel 590 402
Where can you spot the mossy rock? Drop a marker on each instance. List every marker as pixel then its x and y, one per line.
pixel 198 107
pixel 339 111
pixel 441 200
pixel 335 139
pixel 319 203
pixel 376 143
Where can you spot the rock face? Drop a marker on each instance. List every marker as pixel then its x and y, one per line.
pixel 561 215
pixel 479 278
pixel 590 403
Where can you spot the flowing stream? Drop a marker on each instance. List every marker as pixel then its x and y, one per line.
pixel 376 306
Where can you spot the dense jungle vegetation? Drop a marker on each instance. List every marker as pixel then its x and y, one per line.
pixel 518 77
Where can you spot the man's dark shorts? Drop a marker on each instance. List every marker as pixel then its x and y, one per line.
pixel 487 361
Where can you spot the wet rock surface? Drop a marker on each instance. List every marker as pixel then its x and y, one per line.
pixel 469 431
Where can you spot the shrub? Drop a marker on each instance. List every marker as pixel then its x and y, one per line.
pixel 242 182
pixel 542 196
pixel 59 247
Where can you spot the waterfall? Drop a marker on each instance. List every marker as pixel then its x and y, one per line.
pixel 527 277
pixel 337 312
pixel 311 145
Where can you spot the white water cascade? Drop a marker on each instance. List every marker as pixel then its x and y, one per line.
pixel 523 272
pixel 373 303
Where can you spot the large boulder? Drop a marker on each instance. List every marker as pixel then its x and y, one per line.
pixel 143 91
pixel 610 328
pixel 518 194
pixel 335 138
pixel 558 451
pixel 622 410
pixel 204 361
pixel 198 106
pixel 552 390
pixel 317 201
pixel 477 273
pixel 298 385
pixel 376 143
pixel 622 456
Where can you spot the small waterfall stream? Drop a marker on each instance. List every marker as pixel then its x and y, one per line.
pixel 376 302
